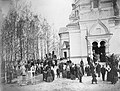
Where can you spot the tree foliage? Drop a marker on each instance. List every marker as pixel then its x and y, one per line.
pixel 22 31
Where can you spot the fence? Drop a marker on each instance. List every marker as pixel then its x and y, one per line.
pixel 30 79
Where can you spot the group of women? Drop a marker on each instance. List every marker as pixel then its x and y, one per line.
pixel 71 71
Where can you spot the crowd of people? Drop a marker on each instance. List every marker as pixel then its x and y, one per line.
pixel 26 71
pixel 68 70
pixel 108 71
pixel 110 68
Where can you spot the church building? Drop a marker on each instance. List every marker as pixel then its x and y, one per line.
pixel 94 28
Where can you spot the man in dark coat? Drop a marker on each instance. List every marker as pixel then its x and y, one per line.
pixel 103 71
pixel 82 66
pixel 114 75
pixel 98 68
pixel 75 70
pixel 87 70
pixel 53 74
pixel 58 72
pixel 80 74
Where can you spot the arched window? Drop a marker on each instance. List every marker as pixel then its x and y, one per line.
pixel 77 13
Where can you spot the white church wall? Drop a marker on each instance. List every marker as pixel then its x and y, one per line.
pixel 75 44
pixel 83 43
pixel 115 41
pixel 77 60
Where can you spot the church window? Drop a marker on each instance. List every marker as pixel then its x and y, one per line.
pixel 76 13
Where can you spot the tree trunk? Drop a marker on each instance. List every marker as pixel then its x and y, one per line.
pixel 20 47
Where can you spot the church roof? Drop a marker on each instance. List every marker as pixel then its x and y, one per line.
pixel 73 25
pixel 98 29
pixel 63 30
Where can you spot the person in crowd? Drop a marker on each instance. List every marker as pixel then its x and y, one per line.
pixel 53 73
pixel 108 73
pixel 68 70
pixel 49 75
pixel 88 60
pixel 114 75
pixel 94 79
pixel 87 70
pixel 72 69
pixel 61 67
pixel 92 68
pixel 45 73
pixel 103 72
pixel 98 69
pixel 94 56
pixel 37 69
pixel 79 73
pixel 64 72
pixel 55 62
pixel 23 69
pixel 19 74
pixel 33 69
pixel 41 68
pixel 82 66
pixel 75 70
pixel 58 72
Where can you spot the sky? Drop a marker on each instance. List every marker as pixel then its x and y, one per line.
pixel 55 11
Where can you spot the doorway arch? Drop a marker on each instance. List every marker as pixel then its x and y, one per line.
pixel 95 47
pixel 102 51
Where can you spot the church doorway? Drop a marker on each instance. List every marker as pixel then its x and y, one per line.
pixel 99 52
pixel 102 51
pixel 65 55
pixel 95 47
pixel 95 51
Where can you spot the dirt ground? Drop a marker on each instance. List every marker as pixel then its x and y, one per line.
pixel 63 84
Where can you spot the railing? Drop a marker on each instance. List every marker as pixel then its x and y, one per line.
pixel 23 80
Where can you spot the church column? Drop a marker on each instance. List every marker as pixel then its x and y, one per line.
pixel 91 52
pixel 107 47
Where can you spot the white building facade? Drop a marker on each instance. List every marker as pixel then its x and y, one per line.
pixel 94 26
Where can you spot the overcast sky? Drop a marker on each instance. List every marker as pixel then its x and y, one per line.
pixel 56 11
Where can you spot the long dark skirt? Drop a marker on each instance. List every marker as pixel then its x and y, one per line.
pixel 64 74
pixel 73 77
pixel 68 74
pixel 108 76
pixel 49 78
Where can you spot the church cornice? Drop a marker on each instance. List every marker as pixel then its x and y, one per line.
pixel 99 36
pixel 107 18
